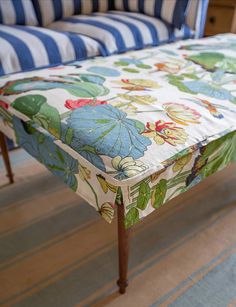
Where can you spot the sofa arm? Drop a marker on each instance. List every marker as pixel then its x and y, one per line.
pixel 196 16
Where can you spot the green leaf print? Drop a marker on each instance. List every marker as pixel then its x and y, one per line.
pixel 218 154
pixel 177 81
pixel 29 104
pixel 88 90
pixel 48 117
pixel 121 63
pixel 144 66
pixel 144 195
pixel 131 70
pixel 69 136
pixel 159 194
pixel 207 60
pixel 139 125
pixel 131 217
pixel 213 60
pixel 96 79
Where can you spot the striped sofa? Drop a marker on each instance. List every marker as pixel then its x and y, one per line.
pixel 44 33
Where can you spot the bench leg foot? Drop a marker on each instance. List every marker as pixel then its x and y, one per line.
pixel 5 155
pixel 123 248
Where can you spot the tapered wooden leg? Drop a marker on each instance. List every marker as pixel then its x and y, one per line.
pixel 123 247
pixel 5 155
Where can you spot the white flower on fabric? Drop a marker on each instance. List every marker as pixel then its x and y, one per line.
pixel 127 167
pixel 181 114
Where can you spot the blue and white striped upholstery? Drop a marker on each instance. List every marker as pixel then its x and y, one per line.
pixel 26 48
pixel 196 16
pixel 122 31
pixel 17 12
pixel 51 10
pixel 171 11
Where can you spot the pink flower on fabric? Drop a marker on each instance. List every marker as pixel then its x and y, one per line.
pixel 165 132
pixel 3 104
pixel 74 104
pixel 181 113
pixel 56 68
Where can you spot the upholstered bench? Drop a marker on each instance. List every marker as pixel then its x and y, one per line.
pixel 129 132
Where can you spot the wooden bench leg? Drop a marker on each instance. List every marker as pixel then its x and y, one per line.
pixel 5 155
pixel 123 247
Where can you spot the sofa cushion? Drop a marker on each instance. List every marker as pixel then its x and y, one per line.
pixel 172 11
pixel 122 31
pixel 51 10
pixel 25 48
pixel 20 12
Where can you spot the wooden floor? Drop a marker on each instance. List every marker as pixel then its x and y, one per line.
pixel 56 251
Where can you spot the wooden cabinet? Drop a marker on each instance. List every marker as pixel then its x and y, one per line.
pixel 221 17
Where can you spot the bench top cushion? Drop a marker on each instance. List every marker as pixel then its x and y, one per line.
pixel 122 31
pixel 26 48
pixel 128 118
pixel 148 105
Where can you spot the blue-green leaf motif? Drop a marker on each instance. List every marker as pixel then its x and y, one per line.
pixel 209 90
pixel 104 71
pixel 84 85
pixel 25 137
pixel 59 162
pixel 88 152
pixel 107 130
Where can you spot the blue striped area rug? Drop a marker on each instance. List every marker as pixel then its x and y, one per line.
pixel 56 251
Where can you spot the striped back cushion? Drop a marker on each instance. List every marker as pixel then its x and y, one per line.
pixel 52 10
pixel 26 48
pixel 171 11
pixel 17 12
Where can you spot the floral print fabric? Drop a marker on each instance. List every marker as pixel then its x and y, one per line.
pixel 141 125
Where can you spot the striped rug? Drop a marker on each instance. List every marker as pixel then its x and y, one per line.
pixel 56 251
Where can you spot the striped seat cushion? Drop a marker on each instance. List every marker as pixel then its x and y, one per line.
pixel 122 31
pixel 172 11
pixel 17 12
pixel 26 48
pixel 51 10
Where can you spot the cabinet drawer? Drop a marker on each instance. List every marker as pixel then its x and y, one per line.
pixel 219 19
